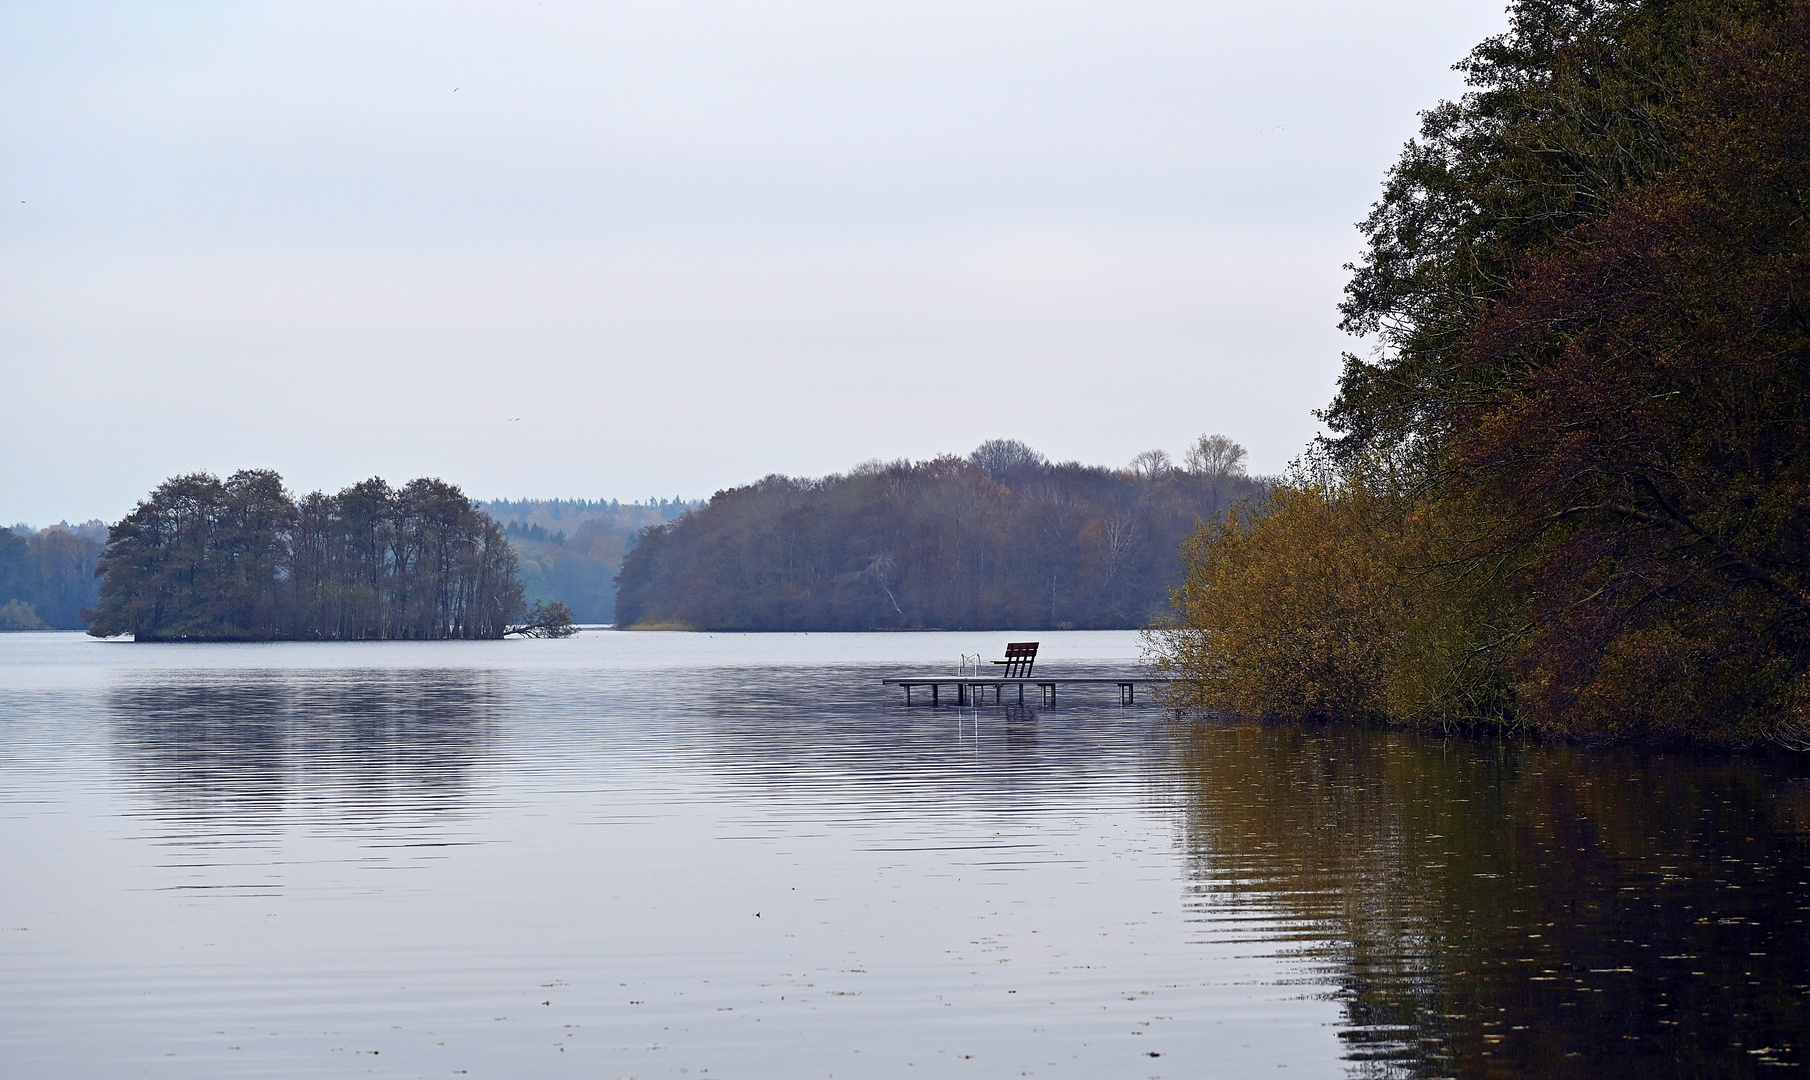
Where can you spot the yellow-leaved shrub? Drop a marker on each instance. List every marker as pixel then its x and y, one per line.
pixel 1286 610
pixel 1336 600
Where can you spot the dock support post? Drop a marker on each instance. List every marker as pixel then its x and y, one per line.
pixel 1048 693
pixel 1021 693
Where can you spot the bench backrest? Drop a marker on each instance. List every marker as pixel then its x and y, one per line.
pixel 1020 657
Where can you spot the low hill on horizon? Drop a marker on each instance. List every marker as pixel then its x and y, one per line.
pixel 571 549
pixel 1002 539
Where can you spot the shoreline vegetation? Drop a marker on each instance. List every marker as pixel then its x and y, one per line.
pixel 1568 493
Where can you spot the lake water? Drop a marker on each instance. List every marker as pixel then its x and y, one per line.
pixel 656 855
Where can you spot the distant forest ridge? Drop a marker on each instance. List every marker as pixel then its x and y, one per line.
pixel 571 549
pixel 1000 539
pixel 567 514
pixel 47 575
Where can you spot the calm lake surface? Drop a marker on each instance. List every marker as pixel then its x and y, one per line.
pixel 653 855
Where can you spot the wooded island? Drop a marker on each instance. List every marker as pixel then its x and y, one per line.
pixel 243 560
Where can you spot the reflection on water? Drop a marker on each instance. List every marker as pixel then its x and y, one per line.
pixel 1492 910
pixel 835 745
pixel 244 746
pixel 626 855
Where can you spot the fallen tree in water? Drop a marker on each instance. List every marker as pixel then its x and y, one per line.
pixel 546 620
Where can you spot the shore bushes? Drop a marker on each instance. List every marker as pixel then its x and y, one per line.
pixel 1570 487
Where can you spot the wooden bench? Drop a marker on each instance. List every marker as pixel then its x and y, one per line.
pixel 1020 657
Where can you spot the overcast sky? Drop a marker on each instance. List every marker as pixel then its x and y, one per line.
pixel 687 244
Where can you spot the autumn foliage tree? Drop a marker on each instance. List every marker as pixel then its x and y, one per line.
pixel 1657 452
pixel 1582 447
pixel 1286 610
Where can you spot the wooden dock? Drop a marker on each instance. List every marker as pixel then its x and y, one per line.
pixel 970 688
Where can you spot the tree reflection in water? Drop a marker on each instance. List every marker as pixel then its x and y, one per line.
pixel 1506 910
pixel 341 746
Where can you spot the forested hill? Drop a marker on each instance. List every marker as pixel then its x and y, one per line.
pixel 571 549
pixel 1001 539
pixel 47 575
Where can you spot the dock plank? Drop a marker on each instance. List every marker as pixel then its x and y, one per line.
pixel 967 686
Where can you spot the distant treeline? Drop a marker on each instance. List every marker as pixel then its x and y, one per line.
pixel 242 559
pixel 1000 539
pixel 571 549
pixel 47 575
pixel 566 514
